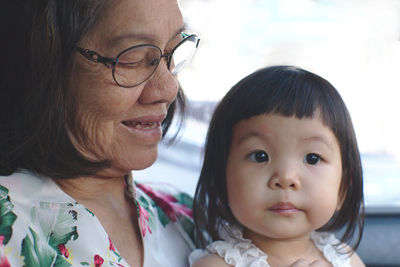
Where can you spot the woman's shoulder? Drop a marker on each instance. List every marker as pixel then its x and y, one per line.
pixel 165 219
pixel 164 189
pixel 173 202
pixel 32 187
pixel 20 182
pixel 38 223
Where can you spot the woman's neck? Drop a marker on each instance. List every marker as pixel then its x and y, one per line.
pixel 88 189
pixel 106 198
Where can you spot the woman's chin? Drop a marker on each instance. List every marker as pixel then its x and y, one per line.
pixel 145 160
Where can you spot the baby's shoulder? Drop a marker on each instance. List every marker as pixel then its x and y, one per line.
pixel 355 260
pixel 210 260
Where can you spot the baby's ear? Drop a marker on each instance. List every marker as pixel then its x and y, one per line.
pixel 340 200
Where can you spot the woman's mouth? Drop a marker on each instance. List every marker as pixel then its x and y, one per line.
pixel 142 125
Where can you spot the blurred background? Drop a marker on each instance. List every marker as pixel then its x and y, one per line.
pixel 354 44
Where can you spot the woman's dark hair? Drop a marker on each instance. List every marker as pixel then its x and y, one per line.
pixel 287 91
pixel 39 42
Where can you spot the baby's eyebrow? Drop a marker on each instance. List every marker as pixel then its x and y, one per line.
pixel 249 135
pixel 320 139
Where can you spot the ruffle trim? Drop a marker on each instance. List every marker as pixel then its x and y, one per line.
pixel 337 255
pixel 239 251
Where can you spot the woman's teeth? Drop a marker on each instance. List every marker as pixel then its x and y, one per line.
pixel 142 125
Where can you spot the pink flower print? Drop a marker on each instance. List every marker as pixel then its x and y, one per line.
pixel 168 203
pixel 143 220
pixel 182 209
pixel 98 260
pixel 4 262
pixel 3 258
pixel 63 250
pixel 112 248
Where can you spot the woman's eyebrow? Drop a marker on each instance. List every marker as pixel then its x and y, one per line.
pixel 145 37
pixel 182 29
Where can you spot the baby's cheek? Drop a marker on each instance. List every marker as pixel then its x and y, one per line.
pixel 323 210
pixel 246 208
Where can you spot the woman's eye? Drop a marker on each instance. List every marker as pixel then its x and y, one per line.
pixel 258 156
pixel 154 62
pixel 312 159
pixel 130 65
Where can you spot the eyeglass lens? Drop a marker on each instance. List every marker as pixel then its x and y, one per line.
pixel 182 55
pixel 136 65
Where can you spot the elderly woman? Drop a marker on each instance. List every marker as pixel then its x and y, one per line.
pixel 88 91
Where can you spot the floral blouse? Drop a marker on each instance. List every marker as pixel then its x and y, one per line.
pixel 40 225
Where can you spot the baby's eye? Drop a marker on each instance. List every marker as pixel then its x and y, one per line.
pixel 258 156
pixel 312 159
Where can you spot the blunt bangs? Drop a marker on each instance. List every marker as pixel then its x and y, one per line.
pixel 287 91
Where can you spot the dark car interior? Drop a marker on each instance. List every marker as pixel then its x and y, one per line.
pixel 380 244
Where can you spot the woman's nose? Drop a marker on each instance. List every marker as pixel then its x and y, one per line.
pixel 162 86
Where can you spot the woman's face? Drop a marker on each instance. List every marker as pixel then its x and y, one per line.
pixel 116 123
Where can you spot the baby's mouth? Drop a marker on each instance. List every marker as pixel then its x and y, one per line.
pixel 284 208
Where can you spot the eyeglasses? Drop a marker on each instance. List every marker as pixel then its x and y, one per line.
pixel 136 64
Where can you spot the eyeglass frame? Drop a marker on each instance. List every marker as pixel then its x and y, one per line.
pixel 111 63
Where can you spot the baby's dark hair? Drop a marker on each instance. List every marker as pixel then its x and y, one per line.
pixel 287 91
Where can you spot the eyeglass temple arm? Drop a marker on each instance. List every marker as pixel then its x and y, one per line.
pixel 187 36
pixel 95 57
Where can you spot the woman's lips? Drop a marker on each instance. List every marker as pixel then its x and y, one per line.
pixel 145 123
pixel 284 208
pixel 142 125
pixel 145 130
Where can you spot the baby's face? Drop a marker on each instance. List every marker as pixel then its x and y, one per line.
pixel 283 176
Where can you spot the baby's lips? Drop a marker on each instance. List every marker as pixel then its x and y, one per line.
pixel 283 206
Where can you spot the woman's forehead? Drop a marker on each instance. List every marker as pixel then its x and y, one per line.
pixel 148 21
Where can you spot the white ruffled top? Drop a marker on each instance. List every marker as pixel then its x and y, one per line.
pixel 241 252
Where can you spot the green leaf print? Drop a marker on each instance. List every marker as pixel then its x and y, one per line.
pixel 91 213
pixel 61 262
pixel 119 258
pixel 142 201
pixel 51 227
pixel 164 220
pixel 188 227
pixel 7 217
pixel 36 252
pixel 185 199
